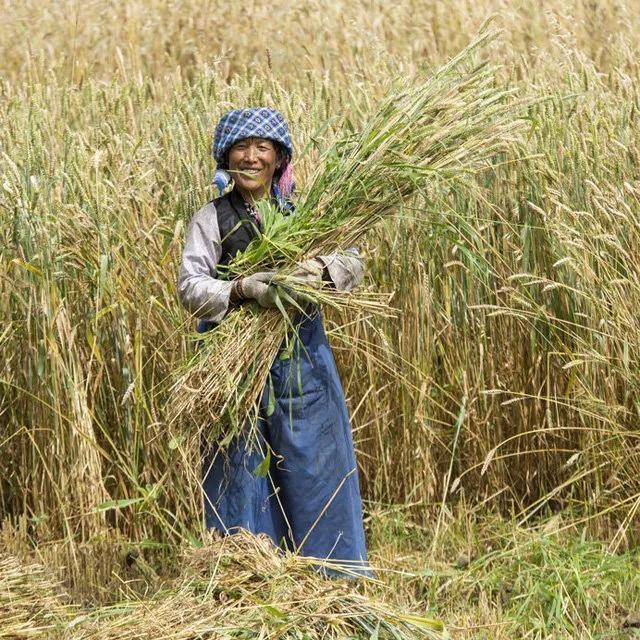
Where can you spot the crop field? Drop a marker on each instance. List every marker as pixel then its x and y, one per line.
pixel 494 396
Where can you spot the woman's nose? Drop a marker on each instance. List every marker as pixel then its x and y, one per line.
pixel 250 154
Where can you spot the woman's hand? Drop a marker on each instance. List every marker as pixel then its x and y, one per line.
pixel 310 271
pixel 255 287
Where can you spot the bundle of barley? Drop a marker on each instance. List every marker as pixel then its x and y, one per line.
pixel 243 586
pixel 236 586
pixel 426 131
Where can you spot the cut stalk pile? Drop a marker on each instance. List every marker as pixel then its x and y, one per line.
pixel 237 586
pixel 31 604
pixel 431 129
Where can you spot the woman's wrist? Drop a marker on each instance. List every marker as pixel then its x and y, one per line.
pixel 237 294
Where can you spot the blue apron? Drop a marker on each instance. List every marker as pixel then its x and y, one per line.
pixel 304 493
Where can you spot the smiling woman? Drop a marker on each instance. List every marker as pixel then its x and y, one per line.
pixel 300 485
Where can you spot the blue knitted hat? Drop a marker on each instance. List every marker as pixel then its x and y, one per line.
pixel 254 122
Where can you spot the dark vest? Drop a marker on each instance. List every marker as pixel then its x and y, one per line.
pixel 237 227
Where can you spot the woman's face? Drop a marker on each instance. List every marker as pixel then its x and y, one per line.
pixel 252 163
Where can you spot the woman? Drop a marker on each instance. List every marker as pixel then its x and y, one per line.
pixel 302 488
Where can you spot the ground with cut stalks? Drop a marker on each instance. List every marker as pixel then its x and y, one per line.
pixel 495 410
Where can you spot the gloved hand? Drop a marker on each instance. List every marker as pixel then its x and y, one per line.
pixel 309 271
pixel 255 287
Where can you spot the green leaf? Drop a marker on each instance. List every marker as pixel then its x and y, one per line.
pixel 226 440
pixel 271 404
pixel 275 612
pixel 421 621
pixel 195 541
pixel 262 469
pixel 175 442
pixel 287 352
pixel 116 504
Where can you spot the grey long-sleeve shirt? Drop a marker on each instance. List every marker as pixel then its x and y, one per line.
pixel 207 297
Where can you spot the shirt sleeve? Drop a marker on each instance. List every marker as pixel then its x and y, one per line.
pixel 198 288
pixel 345 269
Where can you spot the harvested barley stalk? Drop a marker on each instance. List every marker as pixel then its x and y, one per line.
pixel 430 129
pixel 243 586
pixel 236 586
pixel 31 603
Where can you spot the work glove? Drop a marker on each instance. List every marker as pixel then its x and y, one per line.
pixel 255 287
pixel 309 271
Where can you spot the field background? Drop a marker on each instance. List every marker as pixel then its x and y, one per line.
pixel 497 411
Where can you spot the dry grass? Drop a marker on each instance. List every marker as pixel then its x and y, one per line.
pixel 516 295
pixel 298 42
pixel 31 603
pixel 237 586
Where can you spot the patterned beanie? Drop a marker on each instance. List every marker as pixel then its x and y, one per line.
pixel 256 122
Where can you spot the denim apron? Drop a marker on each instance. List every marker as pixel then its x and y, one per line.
pixel 304 494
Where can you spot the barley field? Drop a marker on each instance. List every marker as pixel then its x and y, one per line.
pixel 495 405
